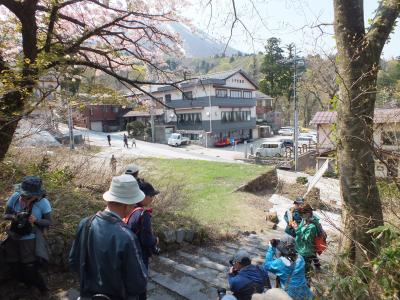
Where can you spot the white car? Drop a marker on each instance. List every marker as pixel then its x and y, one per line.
pixel 270 149
pixel 176 139
pixel 286 131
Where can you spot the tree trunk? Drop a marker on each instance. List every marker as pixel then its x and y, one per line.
pixel 12 105
pixel 358 59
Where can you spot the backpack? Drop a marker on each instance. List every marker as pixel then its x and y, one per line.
pixel 137 228
pixel 320 240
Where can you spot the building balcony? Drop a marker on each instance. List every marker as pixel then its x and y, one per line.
pixel 202 102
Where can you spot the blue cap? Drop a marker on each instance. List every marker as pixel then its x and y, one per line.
pixel 31 186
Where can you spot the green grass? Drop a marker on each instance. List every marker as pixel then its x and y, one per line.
pixel 209 187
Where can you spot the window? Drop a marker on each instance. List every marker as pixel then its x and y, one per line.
pixel 105 108
pixel 247 94
pixel 235 116
pixel 222 93
pixel 91 111
pixel 115 109
pixel 167 98
pixel 187 95
pixel 190 118
pixel 236 94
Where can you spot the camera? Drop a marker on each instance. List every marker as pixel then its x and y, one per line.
pixel 156 250
pixel 221 293
pixel 21 224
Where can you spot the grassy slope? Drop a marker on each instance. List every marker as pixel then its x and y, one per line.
pixel 209 187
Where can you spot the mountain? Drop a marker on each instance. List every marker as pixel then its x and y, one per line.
pixel 197 43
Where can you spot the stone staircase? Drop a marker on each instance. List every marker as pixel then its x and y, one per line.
pixel 196 273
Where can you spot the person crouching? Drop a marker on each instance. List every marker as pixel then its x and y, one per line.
pixel 246 279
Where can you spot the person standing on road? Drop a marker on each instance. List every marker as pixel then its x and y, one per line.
pixel 113 164
pixel 105 252
pixel 109 139
pixel 133 142
pixel 126 141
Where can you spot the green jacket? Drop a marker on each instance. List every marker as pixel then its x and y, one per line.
pixel 305 236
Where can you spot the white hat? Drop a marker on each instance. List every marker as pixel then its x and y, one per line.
pixel 131 169
pixel 124 189
pixel 272 294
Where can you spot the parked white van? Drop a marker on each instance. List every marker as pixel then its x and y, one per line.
pixel 276 149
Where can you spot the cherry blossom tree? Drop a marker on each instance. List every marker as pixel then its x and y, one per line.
pixel 41 38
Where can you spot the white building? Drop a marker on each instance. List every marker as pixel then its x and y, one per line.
pixel 219 106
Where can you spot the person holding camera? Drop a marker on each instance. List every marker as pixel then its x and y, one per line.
pixel 292 216
pixel 139 221
pixel 25 247
pixel 290 267
pixel 246 279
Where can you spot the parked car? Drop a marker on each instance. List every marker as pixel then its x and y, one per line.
pixel 305 141
pixel 287 142
pixel 176 139
pixel 286 131
pixel 276 149
pixel 309 135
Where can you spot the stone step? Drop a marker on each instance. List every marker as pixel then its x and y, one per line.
pixel 185 287
pixel 203 261
pixel 230 252
pixel 251 250
pixel 156 291
pixel 210 276
pixel 215 255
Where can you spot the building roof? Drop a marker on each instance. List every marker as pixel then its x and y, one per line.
pixel 139 113
pixel 324 117
pixel 261 95
pixel 380 116
pixel 214 78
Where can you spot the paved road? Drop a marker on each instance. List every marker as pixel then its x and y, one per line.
pixel 146 149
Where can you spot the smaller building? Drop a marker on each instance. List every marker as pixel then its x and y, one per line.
pixel 101 117
pixel 386 138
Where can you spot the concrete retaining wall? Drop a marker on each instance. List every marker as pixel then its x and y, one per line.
pixel 329 188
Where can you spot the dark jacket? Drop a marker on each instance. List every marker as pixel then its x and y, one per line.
pixel 112 264
pixel 140 224
pixel 249 280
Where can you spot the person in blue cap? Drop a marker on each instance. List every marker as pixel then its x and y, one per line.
pixel 25 247
pixel 292 216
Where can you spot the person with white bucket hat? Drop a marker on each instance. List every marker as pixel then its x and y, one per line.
pixel 105 252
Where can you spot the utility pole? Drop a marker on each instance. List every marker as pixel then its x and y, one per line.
pixel 152 124
pixel 71 127
pixel 209 103
pixel 296 115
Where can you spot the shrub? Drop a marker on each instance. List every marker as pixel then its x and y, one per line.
pixel 302 180
pixel 136 128
pixel 377 279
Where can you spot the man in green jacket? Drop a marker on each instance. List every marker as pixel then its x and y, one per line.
pixel 306 233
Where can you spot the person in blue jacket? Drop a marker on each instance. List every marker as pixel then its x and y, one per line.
pixel 25 247
pixel 290 267
pixel 246 279
pixel 292 216
pixel 105 252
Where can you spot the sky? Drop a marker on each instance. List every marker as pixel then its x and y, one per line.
pixel 298 21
